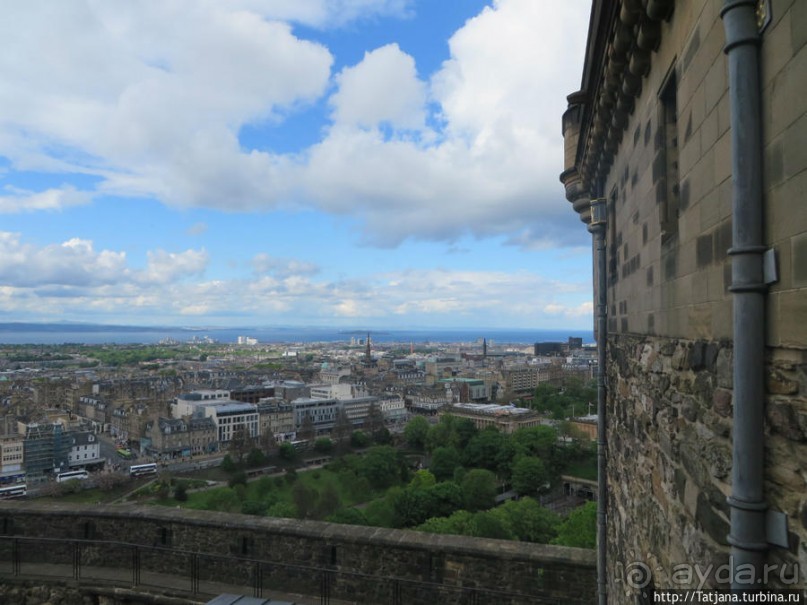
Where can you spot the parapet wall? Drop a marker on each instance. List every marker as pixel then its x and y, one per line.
pixel 364 562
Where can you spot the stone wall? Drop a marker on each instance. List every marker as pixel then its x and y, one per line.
pixel 669 467
pixel 366 561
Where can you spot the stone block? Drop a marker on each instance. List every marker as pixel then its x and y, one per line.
pixel 798 260
pixel 798 26
pixel 788 85
pixel 721 402
pixel 793 317
pixel 777 48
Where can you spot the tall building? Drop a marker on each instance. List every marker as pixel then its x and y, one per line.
pixel 690 127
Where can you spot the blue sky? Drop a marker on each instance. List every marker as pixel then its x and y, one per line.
pixel 367 163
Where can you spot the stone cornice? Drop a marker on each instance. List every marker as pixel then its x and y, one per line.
pixel 622 38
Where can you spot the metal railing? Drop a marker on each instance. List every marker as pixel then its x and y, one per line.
pixel 135 566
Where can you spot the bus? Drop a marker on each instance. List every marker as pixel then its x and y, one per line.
pixel 124 453
pixel 80 474
pixel 140 470
pixel 13 491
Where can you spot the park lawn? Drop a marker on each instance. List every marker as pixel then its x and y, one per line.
pixel 273 489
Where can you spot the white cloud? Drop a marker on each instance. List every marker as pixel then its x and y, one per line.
pixel 49 199
pixel 383 88
pixel 282 267
pixel 72 279
pixel 151 98
pixel 72 263
pixel 168 267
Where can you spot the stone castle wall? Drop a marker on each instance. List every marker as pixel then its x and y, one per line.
pixel 669 469
pixel 364 560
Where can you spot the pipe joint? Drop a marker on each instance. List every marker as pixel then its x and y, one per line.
pixel 739 18
pixel 756 506
pixel 740 250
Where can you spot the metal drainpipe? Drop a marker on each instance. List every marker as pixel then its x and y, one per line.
pixel 597 228
pixel 747 501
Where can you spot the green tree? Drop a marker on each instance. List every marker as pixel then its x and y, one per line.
pixel 287 451
pixel 323 445
pixel 444 499
pixel 181 492
pixel 380 513
pixel 305 500
pixel 342 427
pixel 423 479
pixel 381 465
pixel 530 476
pixel 282 509
pixel 456 524
pixel 411 507
pixel 443 462
pixel 483 449
pixel 579 528
pixel 488 524
pixel 256 458
pixel 530 521
pixel 329 502
pixel 253 507
pixel 227 464
pixel 359 439
pixel 464 431
pixel 374 423
pixel 416 432
pixel 240 443
pixel 479 489
pixel 440 434
pixel 348 516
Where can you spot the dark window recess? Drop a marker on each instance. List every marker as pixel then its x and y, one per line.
pixel 89 532
pixel 247 545
pixel 164 536
pixel 613 240
pixel 644 233
pixel 667 185
pixel 650 276
pixel 8 526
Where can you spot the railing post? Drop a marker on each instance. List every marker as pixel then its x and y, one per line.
pixel 15 557
pixel 76 560
pixel 195 573
pixel 135 566
pixel 257 589
pixel 325 588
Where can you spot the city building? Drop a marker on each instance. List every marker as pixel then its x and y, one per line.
pixel 507 419
pixel 276 418
pixel 12 459
pixel 45 447
pixel 688 135
pixel 85 450
pixel 465 390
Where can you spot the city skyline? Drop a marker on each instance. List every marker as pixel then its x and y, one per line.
pixel 388 163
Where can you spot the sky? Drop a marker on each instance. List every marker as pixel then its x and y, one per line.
pixel 365 163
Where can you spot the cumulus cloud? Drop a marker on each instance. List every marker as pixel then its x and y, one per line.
pixel 167 267
pixel 69 279
pixel 282 267
pixel 151 99
pixel 383 88
pixel 72 263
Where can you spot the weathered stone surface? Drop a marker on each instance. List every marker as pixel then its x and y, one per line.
pixel 784 421
pixel 358 556
pixel 721 402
